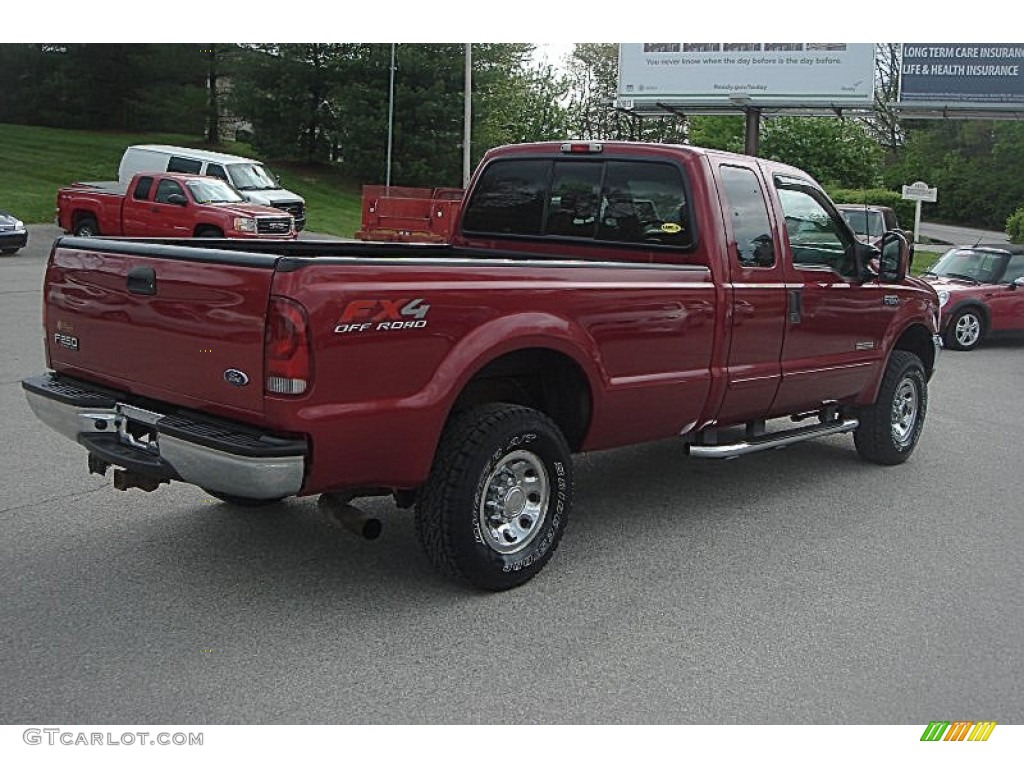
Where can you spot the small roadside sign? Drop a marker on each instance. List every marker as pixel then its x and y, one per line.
pixel 920 191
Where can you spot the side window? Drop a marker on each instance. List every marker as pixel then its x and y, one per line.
pixel 573 201
pixel 1014 269
pixel 748 213
pixel 166 188
pixel 644 202
pixel 815 238
pixel 142 188
pixel 509 198
pixel 183 165
pixel 216 171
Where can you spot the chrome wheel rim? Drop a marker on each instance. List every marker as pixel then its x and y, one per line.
pixel 905 409
pixel 968 329
pixel 514 502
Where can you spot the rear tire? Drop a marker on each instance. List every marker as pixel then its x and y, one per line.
pixel 86 226
pixel 498 497
pixel 890 427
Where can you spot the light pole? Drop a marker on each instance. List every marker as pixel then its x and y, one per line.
pixel 391 118
pixel 467 115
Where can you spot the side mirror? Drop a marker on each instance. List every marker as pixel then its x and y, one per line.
pixel 177 199
pixel 893 258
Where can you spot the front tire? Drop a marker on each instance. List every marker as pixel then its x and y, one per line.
pixel 498 497
pixel 890 427
pixel 966 330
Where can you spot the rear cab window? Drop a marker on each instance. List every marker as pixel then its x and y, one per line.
pixel 592 200
pixel 142 188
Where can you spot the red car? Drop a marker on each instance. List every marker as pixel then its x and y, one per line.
pixel 981 292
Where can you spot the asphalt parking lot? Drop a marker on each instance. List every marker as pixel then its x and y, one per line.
pixel 799 586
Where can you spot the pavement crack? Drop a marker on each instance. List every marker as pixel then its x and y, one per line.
pixel 74 495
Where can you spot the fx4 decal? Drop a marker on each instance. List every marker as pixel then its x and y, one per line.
pixel 382 315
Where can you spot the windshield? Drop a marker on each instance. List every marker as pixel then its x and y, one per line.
pixel 205 191
pixel 980 266
pixel 865 222
pixel 251 176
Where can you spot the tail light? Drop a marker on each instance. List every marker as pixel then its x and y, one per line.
pixel 287 351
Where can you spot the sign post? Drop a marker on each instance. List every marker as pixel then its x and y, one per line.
pixel 920 192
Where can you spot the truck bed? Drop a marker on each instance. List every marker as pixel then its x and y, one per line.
pixel 107 187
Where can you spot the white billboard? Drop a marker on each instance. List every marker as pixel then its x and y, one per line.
pixel 736 75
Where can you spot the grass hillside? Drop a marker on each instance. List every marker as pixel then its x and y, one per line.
pixel 35 162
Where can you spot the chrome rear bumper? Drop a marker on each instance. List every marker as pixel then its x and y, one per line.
pixel 214 454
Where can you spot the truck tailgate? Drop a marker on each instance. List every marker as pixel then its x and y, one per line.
pixel 182 325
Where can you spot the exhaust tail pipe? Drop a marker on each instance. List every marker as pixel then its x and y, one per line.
pixel 339 512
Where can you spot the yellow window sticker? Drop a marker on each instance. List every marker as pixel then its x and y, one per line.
pixel 670 228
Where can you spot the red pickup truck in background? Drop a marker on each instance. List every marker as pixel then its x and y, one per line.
pixel 167 205
pixel 594 295
pixel 409 214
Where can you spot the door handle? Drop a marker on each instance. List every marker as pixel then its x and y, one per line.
pixel 795 306
pixel 142 281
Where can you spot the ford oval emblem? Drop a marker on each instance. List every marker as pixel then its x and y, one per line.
pixel 235 377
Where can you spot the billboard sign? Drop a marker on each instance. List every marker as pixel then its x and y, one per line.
pixel 970 76
pixel 735 75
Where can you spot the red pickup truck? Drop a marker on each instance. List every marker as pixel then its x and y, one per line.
pixel 167 205
pixel 595 295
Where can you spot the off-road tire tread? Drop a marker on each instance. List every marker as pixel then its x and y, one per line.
pixel 873 438
pixel 461 442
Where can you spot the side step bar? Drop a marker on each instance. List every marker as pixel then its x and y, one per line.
pixel 773 440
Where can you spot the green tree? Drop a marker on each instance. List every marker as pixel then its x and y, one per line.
pixel 511 102
pixel 976 164
pixel 593 79
pixel 116 86
pixel 834 151
pixel 725 132
pixel 288 92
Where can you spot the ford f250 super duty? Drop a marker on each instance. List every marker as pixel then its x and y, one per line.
pixel 594 295
pixel 167 205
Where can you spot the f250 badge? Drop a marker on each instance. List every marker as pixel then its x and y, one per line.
pixel 363 315
pixel 66 340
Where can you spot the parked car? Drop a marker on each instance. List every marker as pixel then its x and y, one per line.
pixel 981 292
pixel 167 205
pixel 250 178
pixel 13 235
pixel 870 222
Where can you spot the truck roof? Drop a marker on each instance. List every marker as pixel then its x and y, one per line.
pixel 644 147
pixel 198 154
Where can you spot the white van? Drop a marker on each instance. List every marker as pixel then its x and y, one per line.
pixel 252 180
